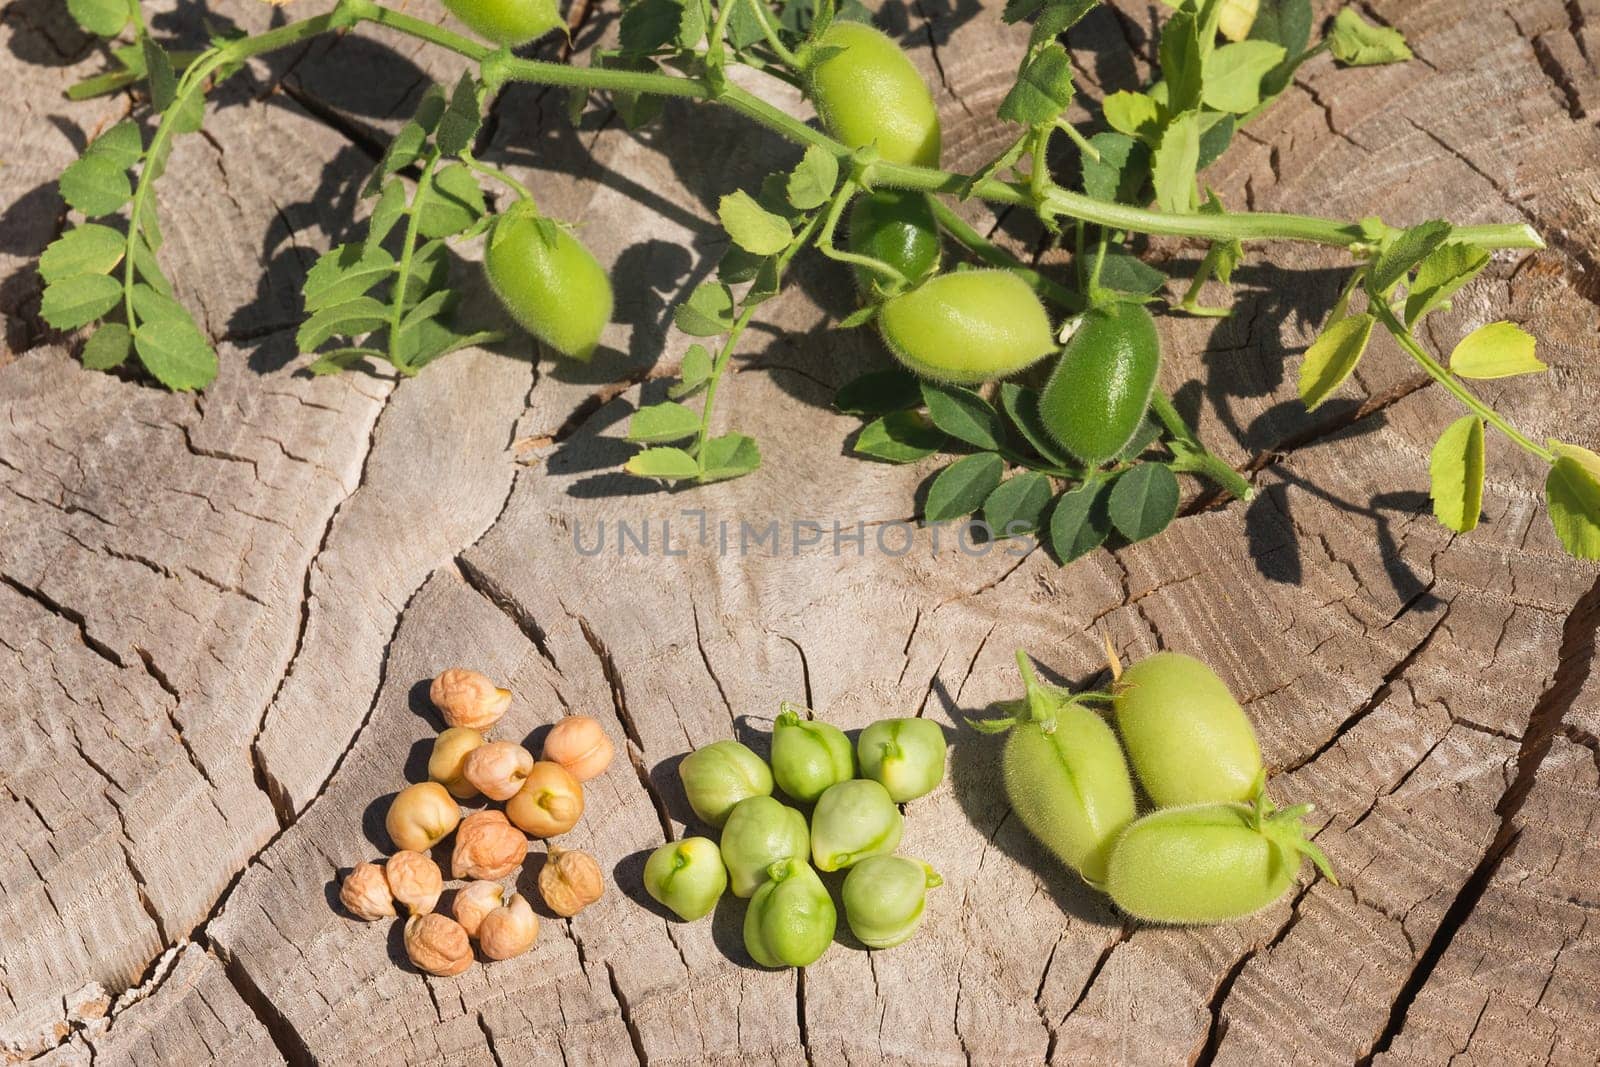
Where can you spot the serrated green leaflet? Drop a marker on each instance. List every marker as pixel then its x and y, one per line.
pixel 1022 407
pixel 86 249
pixel 899 437
pixel 1134 115
pixel 660 423
pixel 1176 159
pixel 176 352
pixel 1233 74
pixel 961 488
pixel 1043 89
pixel 1496 350
pixel 1360 44
pixel 751 226
pixel 962 414
pixel 344 273
pixel 730 456
pixel 1455 474
pixel 96 185
pixel 1572 494
pixel 454 201
pixel 109 347
pixel 1017 504
pixel 104 18
pixel 1404 252
pixel 1144 501
pixel 1331 358
pixel 71 302
pixel 672 463
pixel 814 178
pixel 708 311
pixel 352 318
pixel 1445 270
pixel 1080 523
pixel 458 126
pixel 694 372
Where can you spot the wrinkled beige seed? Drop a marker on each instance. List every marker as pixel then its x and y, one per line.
pixel 549 802
pixel 467 698
pixel 438 944
pixel 497 769
pixel 581 745
pixel 487 846
pixel 450 751
pixel 421 815
pixel 475 900
pixel 415 880
pixel 570 881
pixel 365 893
pixel 508 930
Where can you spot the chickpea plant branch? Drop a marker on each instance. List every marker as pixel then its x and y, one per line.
pixel 392 296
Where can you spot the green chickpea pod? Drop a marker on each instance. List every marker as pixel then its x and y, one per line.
pixel 761 831
pixel 809 756
pixel 854 820
pixel 969 326
pixel 508 22
pixel 1189 741
pixel 686 876
pixel 791 918
pixel 867 92
pixel 905 756
pixel 718 776
pixel 548 281
pixel 883 898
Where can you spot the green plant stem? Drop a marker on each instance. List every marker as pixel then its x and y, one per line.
pixel 994 255
pixel 825 244
pixel 490 171
pixel 403 271
pixel 764 17
pixel 1194 457
pixel 1442 375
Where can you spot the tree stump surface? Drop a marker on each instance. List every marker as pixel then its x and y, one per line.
pixel 218 613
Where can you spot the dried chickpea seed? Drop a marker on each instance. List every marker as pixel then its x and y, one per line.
pixel 475 900
pixel 570 881
pixel 487 846
pixel 421 815
pixel 415 881
pixel 549 802
pixel 580 744
pixel 437 944
pixel 497 769
pixel 365 893
pixel 445 764
pixel 467 698
pixel 508 930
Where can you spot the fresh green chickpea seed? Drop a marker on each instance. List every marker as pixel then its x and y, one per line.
pixel 854 820
pixel 1209 863
pixel 884 896
pixel 686 876
pixel 905 756
pixel 759 832
pixel 791 918
pixel 867 92
pixel 970 326
pixel 718 776
pixel 1189 741
pixel 1101 386
pixel 808 756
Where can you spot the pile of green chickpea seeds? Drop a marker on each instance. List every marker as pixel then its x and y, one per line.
pixel 769 852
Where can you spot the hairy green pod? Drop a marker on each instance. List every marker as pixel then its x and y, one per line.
pixel 791 918
pixel 897 227
pixel 508 22
pixel 718 776
pixel 1209 863
pixel 867 92
pixel 1065 775
pixel 905 756
pixel 686 876
pixel 971 326
pixel 1189 741
pixel 761 831
pixel 854 820
pixel 808 756
pixel 1099 391
pixel 548 281
pixel 884 896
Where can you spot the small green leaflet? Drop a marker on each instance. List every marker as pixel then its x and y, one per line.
pixel 1572 496
pixel 1133 114
pixel 158 69
pixel 458 126
pixel 103 18
pixel 109 347
pixel 708 311
pixel 1057 17
pixel 694 373
pixel 1182 61
pixel 879 392
pixel 1120 172
pixel 387 211
pixel 1331 358
pixel 814 178
pixel 1022 405
pixel 1445 270
pixel 1496 350
pixel 1043 89
pixel 86 249
pixel 1017 504
pixel 344 273
pixel 730 456
pixel 660 423
pixel 899 437
pixel 752 227
pixel 79 299
pixel 1355 42
pixel 352 318
pixel 961 488
pixel 1080 522
pixel 97 184
pixel 454 201
pixel 1455 474
pixel 176 352
pixel 1405 251
pixel 663 463
pixel 963 414
pixel 1176 159
pixel 1143 501
pixel 1233 74
pixel 1125 272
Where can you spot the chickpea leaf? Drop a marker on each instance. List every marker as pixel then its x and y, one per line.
pixel 1057 17
pixel 963 486
pixel 1286 23
pixel 1121 170
pixel 1134 115
pixel 1404 252
pixel 672 463
pixel 751 226
pixel 693 374
pixel 660 423
pixel 97 184
pixel 1017 505
pixel 899 437
pixel 963 414
pixel 1124 272
pixel 1331 358
pixel 1233 74
pixel 708 311
pixel 109 347
pixel 1144 501
pixel 353 318
pixel 1496 350
pixel 1080 522
pixel 158 70
pixel 86 249
pixel 103 18
pixel 1572 496
pixel 814 178
pixel 1175 161
pixel 1357 43
pixel 458 126
pixel 79 299
pixel 454 201
pixel 176 352
pixel 344 273
pixel 1183 50
pixel 1455 474
pixel 1043 89
pixel 1440 274
pixel 879 392
pixel 1022 406
pixel 730 456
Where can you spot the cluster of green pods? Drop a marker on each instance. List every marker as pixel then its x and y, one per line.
pixel 770 852
pixel 1214 848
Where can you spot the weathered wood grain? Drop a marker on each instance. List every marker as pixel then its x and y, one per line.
pixel 219 614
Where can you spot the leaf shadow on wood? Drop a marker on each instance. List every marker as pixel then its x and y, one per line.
pixel 44 34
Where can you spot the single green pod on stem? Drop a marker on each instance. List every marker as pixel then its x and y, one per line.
pixel 1210 863
pixel 867 92
pixel 548 281
pixel 884 896
pixel 854 820
pixel 721 774
pixel 791 918
pixel 905 756
pixel 686 876
pixel 1064 773
pixel 808 756
pixel 508 22
pixel 1189 741
pixel 761 831
pixel 897 227
pixel 1099 391
pixel 970 326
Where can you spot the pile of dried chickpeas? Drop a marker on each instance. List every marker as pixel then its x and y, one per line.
pixel 543 798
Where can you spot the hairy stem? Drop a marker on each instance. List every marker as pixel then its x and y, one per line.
pixel 403 273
